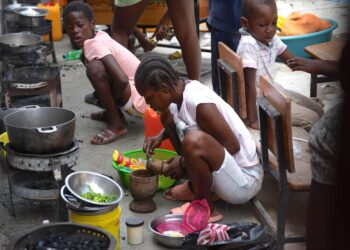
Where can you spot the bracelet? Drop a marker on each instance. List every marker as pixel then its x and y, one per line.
pixel 181 162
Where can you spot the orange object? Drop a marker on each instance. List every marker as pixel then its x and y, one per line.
pixel 60 2
pixel 302 23
pixel 153 126
pixel 55 16
pixel 124 161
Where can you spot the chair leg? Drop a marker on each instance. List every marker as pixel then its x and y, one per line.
pixel 281 210
pixel 313 85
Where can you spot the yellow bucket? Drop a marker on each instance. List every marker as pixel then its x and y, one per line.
pixel 108 221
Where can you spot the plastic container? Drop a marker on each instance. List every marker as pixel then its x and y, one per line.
pixel 72 55
pixel 108 221
pixel 296 44
pixel 55 16
pixel 161 154
pixel 194 219
pixel 153 126
pixel 134 230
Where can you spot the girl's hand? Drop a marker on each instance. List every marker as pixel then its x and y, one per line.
pixel 173 168
pixel 151 143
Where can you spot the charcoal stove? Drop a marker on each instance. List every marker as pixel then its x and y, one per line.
pixel 39 177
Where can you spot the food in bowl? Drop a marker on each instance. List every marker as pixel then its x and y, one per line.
pixel 98 197
pixel 172 233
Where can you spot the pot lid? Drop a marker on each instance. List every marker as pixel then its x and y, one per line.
pixel 196 215
pixel 31 11
pixel 13 6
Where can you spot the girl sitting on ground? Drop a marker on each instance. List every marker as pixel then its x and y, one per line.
pixel 217 153
pixel 110 68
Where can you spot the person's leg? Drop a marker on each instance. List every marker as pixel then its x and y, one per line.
pixel 125 20
pixel 143 41
pixel 203 154
pixel 105 90
pixel 231 40
pixel 303 117
pixel 182 16
pixel 305 101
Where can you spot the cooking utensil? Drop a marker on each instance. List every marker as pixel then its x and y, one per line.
pixel 81 182
pixel 166 240
pixel 67 233
pixel 41 130
pixel 31 16
pixel 22 42
pixel 9 11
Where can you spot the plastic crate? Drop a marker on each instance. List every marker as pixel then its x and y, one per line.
pixel 161 154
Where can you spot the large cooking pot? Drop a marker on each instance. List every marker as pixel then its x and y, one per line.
pixel 17 43
pixel 31 16
pixel 41 130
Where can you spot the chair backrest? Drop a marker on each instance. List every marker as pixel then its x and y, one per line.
pixel 275 124
pixel 231 79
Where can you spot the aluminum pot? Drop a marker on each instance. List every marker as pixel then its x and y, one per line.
pixel 31 16
pixel 43 130
pixel 17 43
pixel 10 11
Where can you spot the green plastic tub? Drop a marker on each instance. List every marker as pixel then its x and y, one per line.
pixel 161 154
pixel 296 44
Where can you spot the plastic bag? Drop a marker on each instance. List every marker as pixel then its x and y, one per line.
pixel 243 236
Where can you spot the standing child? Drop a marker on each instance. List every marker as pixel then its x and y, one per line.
pixel 110 68
pixel 259 47
pixel 217 152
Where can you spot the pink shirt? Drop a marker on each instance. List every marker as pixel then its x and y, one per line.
pixel 102 45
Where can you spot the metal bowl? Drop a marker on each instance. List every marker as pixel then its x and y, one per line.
pixel 31 11
pixel 81 182
pixel 168 241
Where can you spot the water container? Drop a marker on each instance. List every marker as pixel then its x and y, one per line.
pixel 55 16
pixel 153 126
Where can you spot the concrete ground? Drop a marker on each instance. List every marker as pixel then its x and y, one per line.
pixel 75 86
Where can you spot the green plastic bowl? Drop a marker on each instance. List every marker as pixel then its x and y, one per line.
pixel 296 44
pixel 161 154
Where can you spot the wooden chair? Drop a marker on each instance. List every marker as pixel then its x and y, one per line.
pixel 291 171
pixel 231 79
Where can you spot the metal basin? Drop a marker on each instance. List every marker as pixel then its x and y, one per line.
pixel 81 182
pixel 22 42
pixel 31 16
pixel 168 241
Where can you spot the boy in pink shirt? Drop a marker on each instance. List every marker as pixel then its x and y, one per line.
pixel 110 68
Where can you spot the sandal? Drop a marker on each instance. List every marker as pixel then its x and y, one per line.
pixel 104 137
pixel 181 192
pixel 92 99
pixel 214 217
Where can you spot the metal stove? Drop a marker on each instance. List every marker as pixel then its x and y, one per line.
pixel 39 177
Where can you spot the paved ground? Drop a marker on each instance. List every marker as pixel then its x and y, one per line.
pixel 98 158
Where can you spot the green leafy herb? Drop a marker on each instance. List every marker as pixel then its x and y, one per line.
pixel 98 197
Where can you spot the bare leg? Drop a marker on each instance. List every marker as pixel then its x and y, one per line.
pixel 125 20
pixel 143 41
pixel 203 155
pixel 182 17
pixel 106 90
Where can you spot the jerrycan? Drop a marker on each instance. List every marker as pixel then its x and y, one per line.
pixel 54 15
pixel 153 126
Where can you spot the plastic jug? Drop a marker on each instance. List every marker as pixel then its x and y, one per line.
pixel 153 126
pixel 55 16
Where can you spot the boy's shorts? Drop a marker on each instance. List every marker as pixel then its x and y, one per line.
pixel 236 184
pixel 125 3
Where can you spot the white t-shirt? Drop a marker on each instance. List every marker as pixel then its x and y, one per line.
pixel 259 56
pixel 196 93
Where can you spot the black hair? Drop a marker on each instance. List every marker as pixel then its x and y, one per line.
pixel 154 70
pixel 78 6
pixel 249 6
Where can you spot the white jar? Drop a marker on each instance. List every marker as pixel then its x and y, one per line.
pixel 134 230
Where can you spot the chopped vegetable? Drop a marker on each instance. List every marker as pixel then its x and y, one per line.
pixel 98 197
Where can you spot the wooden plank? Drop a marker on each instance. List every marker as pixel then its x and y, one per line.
pixel 230 57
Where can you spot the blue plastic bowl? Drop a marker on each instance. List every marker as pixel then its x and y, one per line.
pixel 296 44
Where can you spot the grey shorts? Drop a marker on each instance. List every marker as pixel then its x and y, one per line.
pixel 124 3
pixel 236 184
